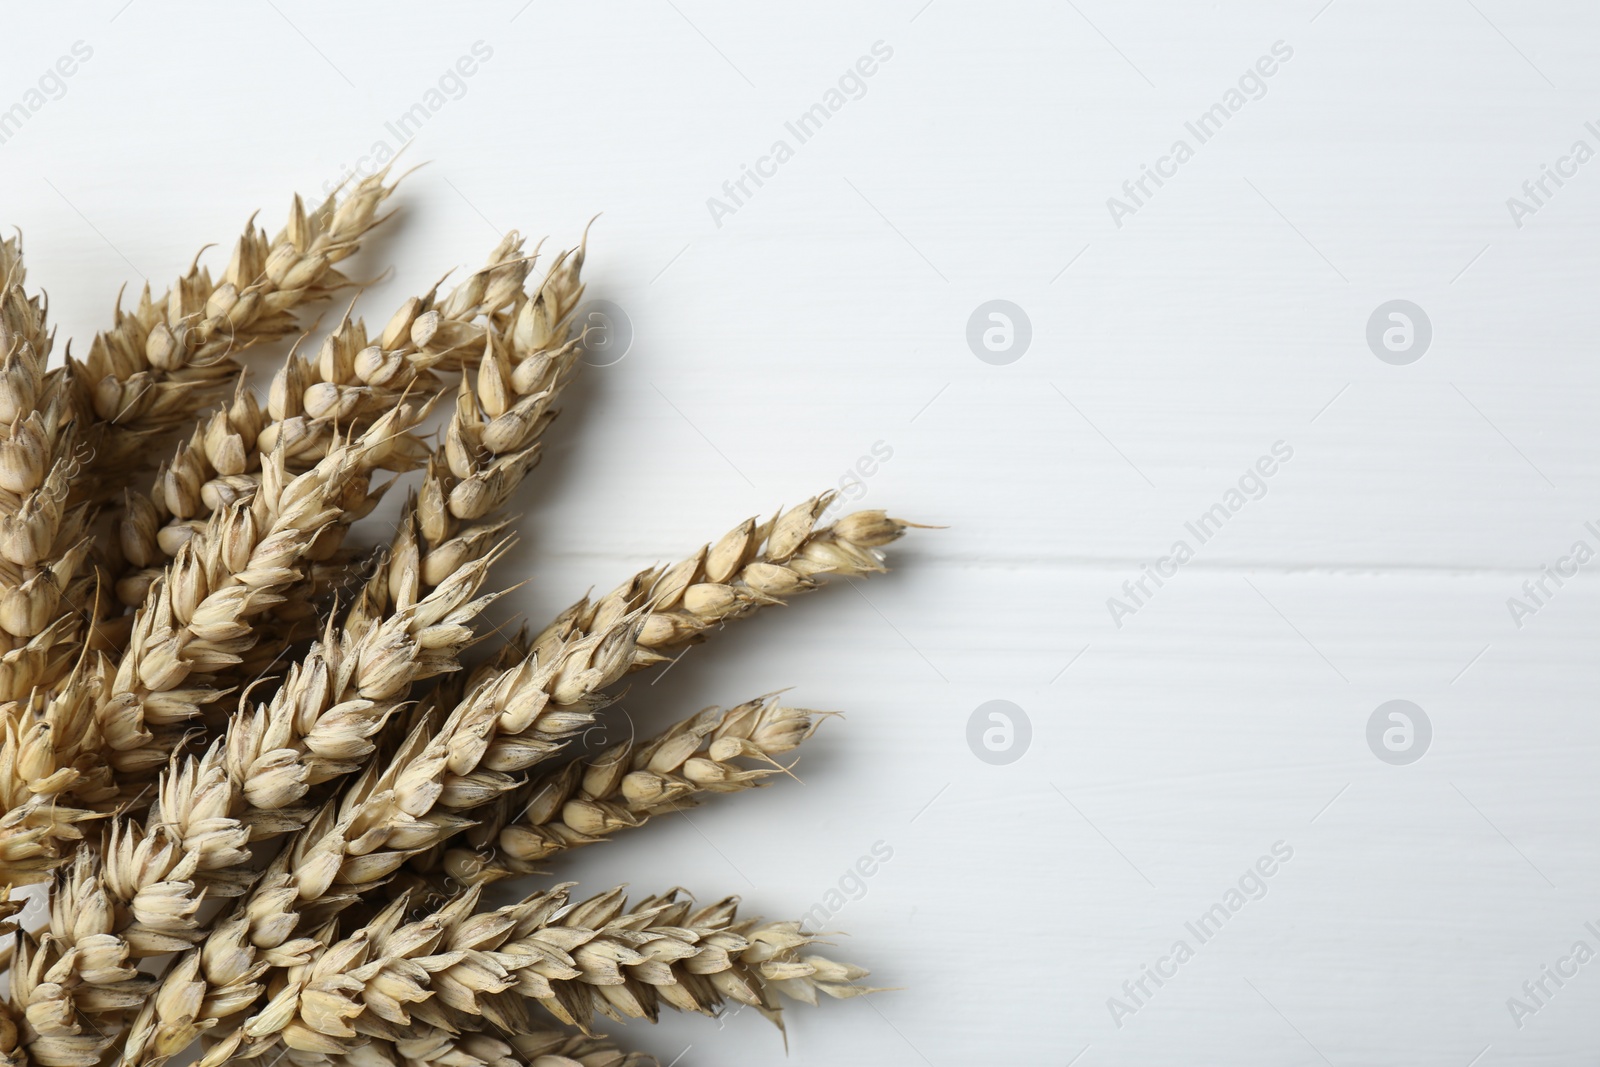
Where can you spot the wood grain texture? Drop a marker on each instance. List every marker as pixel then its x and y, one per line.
pixel 827 316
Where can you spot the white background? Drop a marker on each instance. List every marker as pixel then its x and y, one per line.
pixel 829 312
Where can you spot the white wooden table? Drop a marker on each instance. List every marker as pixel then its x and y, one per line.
pixel 781 334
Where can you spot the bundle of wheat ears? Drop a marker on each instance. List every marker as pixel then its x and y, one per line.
pixel 262 769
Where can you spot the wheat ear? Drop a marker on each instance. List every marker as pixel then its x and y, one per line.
pixel 199 621
pixel 410 623
pixel 317 727
pixel 523 715
pixel 756 565
pixel 494 436
pixel 588 800
pixel 44 542
pixel 353 379
pixel 500 417
pixel 347 384
pixel 142 897
pixel 424 794
pixel 433 535
pixel 431 1047
pixel 48 1028
pixel 166 359
pixel 512 718
pixel 52 776
pixel 198 617
pixel 47 747
pixel 459 970
pixel 443 773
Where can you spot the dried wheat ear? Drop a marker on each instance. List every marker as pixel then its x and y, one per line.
pixel 262 774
